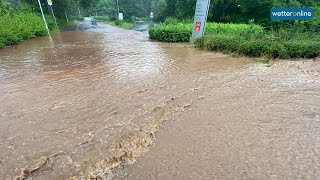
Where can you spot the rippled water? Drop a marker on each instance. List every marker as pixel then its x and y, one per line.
pixel 87 104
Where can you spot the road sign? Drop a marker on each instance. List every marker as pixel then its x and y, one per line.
pixel 50 2
pixel 200 18
pixel 120 16
pixel 198 27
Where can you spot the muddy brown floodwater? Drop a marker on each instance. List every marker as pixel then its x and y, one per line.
pixel 108 103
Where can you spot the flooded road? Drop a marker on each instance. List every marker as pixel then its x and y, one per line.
pixel 90 104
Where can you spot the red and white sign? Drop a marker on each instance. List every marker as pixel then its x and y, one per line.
pixel 198 27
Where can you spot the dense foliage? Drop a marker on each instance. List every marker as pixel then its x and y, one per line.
pixel 129 8
pixel 235 11
pixel 171 31
pixel 18 23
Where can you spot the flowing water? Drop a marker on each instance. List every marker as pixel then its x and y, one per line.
pixel 109 103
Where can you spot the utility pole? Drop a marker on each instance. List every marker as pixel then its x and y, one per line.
pixel 118 8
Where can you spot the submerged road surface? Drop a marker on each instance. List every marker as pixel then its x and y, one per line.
pixel 108 103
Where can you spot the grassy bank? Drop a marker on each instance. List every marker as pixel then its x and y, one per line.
pixel 18 27
pixel 121 24
pixel 243 39
pixel 267 44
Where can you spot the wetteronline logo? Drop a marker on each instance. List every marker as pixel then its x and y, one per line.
pixel 291 13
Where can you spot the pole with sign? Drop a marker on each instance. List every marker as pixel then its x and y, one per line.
pixel 44 19
pixel 54 17
pixel 200 18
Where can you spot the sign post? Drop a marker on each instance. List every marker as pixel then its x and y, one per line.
pixel 44 19
pixel 54 17
pixel 200 18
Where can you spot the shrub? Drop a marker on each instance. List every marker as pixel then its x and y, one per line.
pixel 246 39
pixel 199 43
pixel 255 48
pixel 118 22
pixel 174 30
pixel 302 49
pixel 102 18
pixel 222 43
pixel 220 28
pixel 171 33
pixel 18 27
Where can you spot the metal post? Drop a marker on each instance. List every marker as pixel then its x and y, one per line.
pixel 65 12
pixel 79 12
pixel 44 19
pixel 54 17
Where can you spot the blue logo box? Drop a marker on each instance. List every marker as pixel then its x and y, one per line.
pixel 291 13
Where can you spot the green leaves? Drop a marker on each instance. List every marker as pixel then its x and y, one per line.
pixel 260 48
pixel 20 26
pixel 174 30
pixel 171 33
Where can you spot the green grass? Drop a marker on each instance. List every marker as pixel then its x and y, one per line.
pixel 18 27
pixel 121 24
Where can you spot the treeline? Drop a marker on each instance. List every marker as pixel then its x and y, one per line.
pixel 231 11
pixel 129 8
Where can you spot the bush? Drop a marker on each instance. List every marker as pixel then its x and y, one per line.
pixel 118 22
pixel 257 48
pixel 102 18
pixel 222 43
pixel 18 27
pixel 241 29
pixel 300 49
pixel 171 33
pixel 246 39
pixel 173 30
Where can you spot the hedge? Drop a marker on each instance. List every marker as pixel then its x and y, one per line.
pixel 258 48
pixel 181 32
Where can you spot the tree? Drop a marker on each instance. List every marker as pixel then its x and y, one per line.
pixel 107 8
pixel 159 9
pixel 132 8
pixel 185 9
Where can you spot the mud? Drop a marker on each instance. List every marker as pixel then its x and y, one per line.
pixel 90 104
